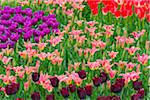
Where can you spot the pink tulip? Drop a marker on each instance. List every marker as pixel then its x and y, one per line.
pixel 143 59
pixel 1 55
pixel 54 41
pixel 42 56
pixel 6 60
pixel 112 54
pixel 26 85
pixel 91 23
pixel 132 50
pixel 138 34
pixel 112 74
pixel 93 65
pixel 129 40
pixel 130 65
pixel 23 54
pixel 41 46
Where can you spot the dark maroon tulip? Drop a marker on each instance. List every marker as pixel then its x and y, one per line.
pixel 120 81
pixel 142 93
pixel 88 90
pixel 135 97
pixel 72 88
pixel 64 91
pixel 35 96
pixel 54 81
pixel 115 98
pixel 137 85
pixel 12 88
pixel 19 99
pixel 97 81
pixel 81 93
pixel 116 88
pixel 82 74
pixel 50 97
pixel 103 76
pixel 104 98
pixel 35 76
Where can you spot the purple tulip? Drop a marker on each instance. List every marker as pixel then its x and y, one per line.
pixel 34 21
pixel 27 29
pixel 55 30
pixel 28 11
pixel 5 16
pixel 7 32
pixel 45 18
pixel 38 14
pixel 18 18
pixel 18 10
pixel 10 43
pixel 37 39
pixel 3 45
pixel 27 36
pixel 14 37
pixel 44 25
pixel 13 26
pixel 36 32
pixel 20 30
pixel 2 28
pixel 3 22
pixel 46 30
pixel 50 23
pixel 3 38
pixel 8 22
pixel 27 23
pixel 52 16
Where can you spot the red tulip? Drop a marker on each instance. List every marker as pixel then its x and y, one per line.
pixel 93 4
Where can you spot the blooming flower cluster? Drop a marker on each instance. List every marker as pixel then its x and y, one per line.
pixel 122 8
pixel 16 23
pixel 84 59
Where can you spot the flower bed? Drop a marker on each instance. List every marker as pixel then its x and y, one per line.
pixel 51 51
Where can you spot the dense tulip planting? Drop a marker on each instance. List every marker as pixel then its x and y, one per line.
pixel 74 50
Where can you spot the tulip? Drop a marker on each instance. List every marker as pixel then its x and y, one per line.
pixel 81 93
pixel 54 81
pixel 35 76
pixel 35 96
pixel 65 92
pixel 50 97
pixel 88 89
pixel 12 88
pixel 82 74
pixel 72 88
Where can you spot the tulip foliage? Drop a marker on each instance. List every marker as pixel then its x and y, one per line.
pixel 74 49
